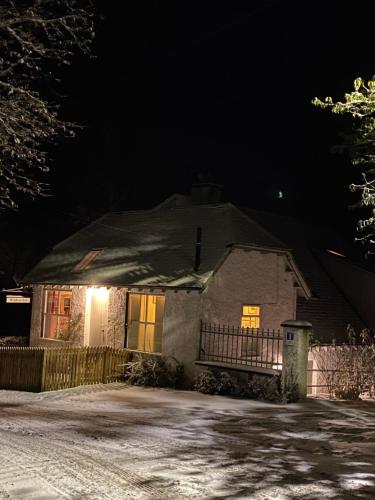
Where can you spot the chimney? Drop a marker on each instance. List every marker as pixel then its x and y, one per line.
pixel 198 247
pixel 205 193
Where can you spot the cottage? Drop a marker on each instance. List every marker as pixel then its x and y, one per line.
pixel 146 279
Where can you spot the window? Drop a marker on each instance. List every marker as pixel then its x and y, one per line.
pixel 87 259
pixel 250 317
pixel 57 309
pixel 145 322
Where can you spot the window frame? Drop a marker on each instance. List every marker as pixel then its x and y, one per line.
pixel 259 306
pixel 89 257
pixel 45 314
pixel 127 321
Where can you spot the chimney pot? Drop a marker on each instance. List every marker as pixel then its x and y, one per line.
pixel 206 193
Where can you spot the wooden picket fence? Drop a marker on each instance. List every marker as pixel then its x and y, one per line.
pixel 37 369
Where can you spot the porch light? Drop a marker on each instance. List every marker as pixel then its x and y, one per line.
pixel 100 293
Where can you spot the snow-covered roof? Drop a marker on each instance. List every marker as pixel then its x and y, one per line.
pixel 152 247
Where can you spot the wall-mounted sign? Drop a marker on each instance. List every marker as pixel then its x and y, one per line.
pixel 290 337
pixel 14 299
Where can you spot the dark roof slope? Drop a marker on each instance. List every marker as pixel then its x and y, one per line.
pixel 152 247
pixel 328 309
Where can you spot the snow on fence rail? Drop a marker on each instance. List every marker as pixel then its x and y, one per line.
pixel 37 369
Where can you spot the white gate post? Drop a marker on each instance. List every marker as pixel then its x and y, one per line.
pixel 296 336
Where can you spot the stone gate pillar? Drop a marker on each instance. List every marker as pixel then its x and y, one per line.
pixel 296 336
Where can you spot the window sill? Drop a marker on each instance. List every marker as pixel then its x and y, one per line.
pixel 135 351
pixel 55 340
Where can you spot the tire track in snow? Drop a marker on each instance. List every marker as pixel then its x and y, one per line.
pixel 71 472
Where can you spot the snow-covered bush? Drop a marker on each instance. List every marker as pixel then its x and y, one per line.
pixel 155 371
pixel 206 382
pixel 216 382
pixel 265 387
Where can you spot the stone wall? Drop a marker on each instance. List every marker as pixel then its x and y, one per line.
pixel 116 317
pixel 36 316
pixel 78 310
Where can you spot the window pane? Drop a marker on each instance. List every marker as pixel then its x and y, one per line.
pixel 245 322
pixel 254 322
pixel 151 309
pixel 65 303
pixel 134 307
pixel 62 324
pixel 251 310
pixel 142 314
pixel 149 338
pixel 133 335
pixel 50 327
pixel 52 300
pixel 141 337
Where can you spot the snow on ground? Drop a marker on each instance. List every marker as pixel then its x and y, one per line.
pixel 119 442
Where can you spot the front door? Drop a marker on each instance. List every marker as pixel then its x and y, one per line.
pixel 98 317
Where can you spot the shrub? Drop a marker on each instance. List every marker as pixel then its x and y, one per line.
pixel 265 387
pixel 206 382
pixel 156 372
pixel 72 331
pixel 348 370
pixel 216 382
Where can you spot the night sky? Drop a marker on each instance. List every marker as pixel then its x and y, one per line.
pixel 219 91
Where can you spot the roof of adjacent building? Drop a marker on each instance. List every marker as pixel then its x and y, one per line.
pixel 331 308
pixel 152 247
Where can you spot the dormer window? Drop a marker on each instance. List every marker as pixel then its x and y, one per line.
pixel 87 259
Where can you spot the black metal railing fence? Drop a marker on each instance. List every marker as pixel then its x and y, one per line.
pixel 235 345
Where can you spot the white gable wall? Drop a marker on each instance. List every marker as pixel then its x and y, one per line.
pixel 255 278
pixel 181 327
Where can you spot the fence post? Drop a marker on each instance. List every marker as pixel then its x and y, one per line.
pixel 43 374
pixel 296 336
pixel 105 365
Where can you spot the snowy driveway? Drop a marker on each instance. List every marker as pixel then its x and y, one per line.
pixel 114 442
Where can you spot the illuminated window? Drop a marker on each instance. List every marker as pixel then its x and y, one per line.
pixel 57 309
pixel 87 259
pixel 145 322
pixel 250 317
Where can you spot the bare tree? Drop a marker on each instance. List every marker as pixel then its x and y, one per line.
pixel 36 37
